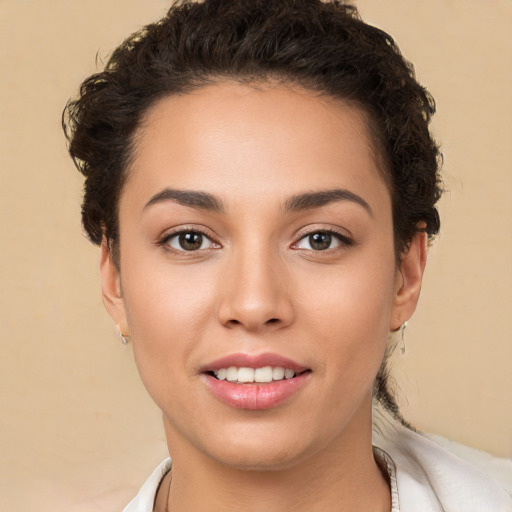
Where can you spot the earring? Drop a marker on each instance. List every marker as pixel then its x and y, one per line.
pixel 125 338
pixel 401 329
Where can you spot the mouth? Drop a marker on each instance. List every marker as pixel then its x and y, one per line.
pixel 258 382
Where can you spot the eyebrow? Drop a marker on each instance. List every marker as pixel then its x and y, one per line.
pixel 195 199
pixel 296 203
pixel 311 200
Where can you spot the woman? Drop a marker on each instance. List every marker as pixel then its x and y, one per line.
pixel 262 182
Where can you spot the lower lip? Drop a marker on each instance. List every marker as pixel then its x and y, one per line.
pixel 255 396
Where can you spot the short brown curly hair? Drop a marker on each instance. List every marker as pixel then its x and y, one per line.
pixel 323 46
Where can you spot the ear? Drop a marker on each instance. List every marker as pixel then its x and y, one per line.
pixel 408 280
pixel 111 288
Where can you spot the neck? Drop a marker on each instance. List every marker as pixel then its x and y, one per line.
pixel 341 477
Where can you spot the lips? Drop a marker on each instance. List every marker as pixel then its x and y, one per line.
pixel 254 382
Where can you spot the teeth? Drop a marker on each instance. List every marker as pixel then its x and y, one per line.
pixel 232 374
pixel 245 375
pixel 288 374
pixel 278 373
pixel 264 374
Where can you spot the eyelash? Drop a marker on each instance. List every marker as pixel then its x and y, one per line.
pixel 344 240
pixel 164 240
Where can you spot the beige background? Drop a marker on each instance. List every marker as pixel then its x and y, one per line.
pixel 77 431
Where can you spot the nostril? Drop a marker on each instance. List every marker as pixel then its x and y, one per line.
pixel 272 321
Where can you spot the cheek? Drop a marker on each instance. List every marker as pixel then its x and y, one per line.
pixel 168 310
pixel 349 310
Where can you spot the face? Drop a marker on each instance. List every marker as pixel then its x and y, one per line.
pixel 256 240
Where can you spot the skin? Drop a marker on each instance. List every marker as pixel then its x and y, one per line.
pixel 258 285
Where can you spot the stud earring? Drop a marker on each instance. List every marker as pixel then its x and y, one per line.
pixel 125 338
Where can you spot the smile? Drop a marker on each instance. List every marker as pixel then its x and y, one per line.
pixel 255 382
pixel 259 375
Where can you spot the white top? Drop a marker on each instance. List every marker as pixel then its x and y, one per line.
pixel 424 477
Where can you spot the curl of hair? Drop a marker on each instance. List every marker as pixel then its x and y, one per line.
pixel 322 46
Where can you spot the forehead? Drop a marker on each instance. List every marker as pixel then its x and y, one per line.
pixel 230 137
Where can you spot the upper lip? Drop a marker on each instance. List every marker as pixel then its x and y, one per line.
pixel 253 361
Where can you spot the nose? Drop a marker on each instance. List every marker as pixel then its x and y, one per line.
pixel 255 292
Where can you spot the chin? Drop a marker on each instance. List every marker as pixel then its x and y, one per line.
pixel 272 448
pixel 258 459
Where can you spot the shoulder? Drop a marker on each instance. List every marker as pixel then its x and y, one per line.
pixel 429 478
pixel 145 498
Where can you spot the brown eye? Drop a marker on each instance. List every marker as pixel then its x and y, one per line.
pixel 320 241
pixel 189 241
